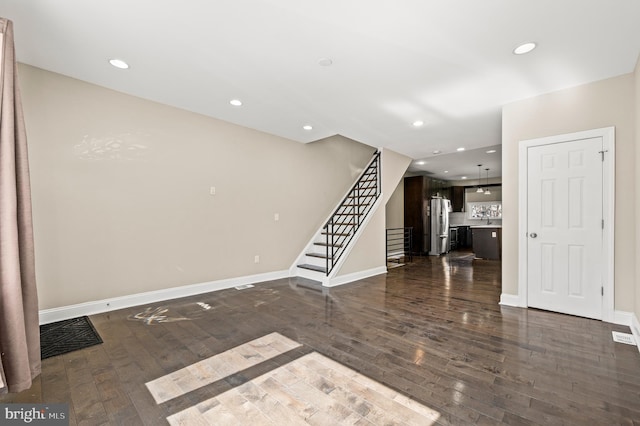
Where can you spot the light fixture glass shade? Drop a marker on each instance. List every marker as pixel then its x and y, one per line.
pixel 487 192
pixel 479 190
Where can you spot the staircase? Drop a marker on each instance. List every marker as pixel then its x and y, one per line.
pixel 331 242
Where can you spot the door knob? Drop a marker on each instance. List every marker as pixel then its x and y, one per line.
pixel 533 235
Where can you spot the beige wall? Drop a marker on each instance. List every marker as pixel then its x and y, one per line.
pixel 394 168
pixel 121 192
pixel 472 196
pixel 601 104
pixel 395 208
pixel 369 251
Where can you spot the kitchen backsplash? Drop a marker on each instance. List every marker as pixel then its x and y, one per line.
pixel 460 218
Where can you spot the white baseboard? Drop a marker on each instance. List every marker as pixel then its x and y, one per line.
pixel 348 278
pixel 621 318
pixel 511 300
pixel 635 329
pixel 112 304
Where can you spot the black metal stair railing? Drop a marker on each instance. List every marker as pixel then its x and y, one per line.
pixel 350 214
pixel 399 245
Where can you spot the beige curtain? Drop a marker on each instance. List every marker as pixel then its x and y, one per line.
pixel 19 329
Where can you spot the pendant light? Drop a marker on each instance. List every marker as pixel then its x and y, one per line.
pixel 486 191
pixel 479 190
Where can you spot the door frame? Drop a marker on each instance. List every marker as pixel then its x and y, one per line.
pixel 608 212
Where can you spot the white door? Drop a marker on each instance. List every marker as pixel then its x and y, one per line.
pixel 565 227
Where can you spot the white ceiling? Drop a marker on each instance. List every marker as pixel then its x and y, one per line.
pixel 458 166
pixel 447 63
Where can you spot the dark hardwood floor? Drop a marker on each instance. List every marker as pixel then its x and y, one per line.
pixel 430 330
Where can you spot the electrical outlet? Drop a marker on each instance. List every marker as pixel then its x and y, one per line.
pixel 276 217
pixel 212 190
pixel 256 259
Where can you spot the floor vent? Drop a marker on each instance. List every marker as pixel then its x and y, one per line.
pixel 244 286
pixel 623 338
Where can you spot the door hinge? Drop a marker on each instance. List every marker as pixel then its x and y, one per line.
pixel 601 291
pixel 602 153
pixel 602 223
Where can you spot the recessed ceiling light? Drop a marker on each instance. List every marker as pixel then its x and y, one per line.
pixel 491 151
pixel 119 63
pixel 307 127
pixel 437 151
pixel 420 163
pixel 418 123
pixel 524 48
pixel 235 102
pixel 460 149
pixel 446 171
pixel 325 62
pixel 463 177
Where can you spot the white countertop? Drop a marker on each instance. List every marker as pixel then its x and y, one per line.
pixel 486 226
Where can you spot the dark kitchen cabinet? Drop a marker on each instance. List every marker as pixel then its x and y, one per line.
pixel 487 243
pixel 464 236
pixel 417 196
pixel 457 198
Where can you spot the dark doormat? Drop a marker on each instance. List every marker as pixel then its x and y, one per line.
pixel 61 337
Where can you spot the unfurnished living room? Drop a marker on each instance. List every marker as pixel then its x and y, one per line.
pixel 340 212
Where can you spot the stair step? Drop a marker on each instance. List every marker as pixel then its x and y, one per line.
pixel 339 234
pixel 314 268
pixel 328 245
pixel 319 255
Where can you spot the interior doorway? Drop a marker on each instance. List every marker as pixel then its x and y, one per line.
pixel 566 223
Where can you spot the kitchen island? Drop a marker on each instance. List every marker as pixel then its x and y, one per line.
pixel 487 241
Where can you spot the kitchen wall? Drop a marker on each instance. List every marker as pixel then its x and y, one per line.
pixel 600 104
pixel 471 196
pixel 460 218
pixel 121 192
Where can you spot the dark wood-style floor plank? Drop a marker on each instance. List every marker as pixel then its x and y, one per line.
pixel 432 330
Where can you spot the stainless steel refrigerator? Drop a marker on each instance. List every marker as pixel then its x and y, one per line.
pixel 440 208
